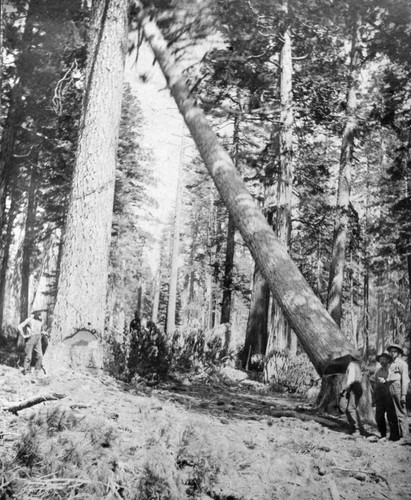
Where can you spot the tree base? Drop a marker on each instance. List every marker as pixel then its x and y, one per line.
pixel 60 357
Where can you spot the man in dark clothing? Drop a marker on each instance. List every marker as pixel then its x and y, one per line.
pixel 352 390
pixel 383 401
pixel 135 324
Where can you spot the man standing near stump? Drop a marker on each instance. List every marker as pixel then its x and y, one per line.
pixel 398 381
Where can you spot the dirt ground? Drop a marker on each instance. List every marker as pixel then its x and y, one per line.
pixel 193 439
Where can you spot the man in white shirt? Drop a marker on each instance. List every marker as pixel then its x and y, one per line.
pixel 33 325
pixel 398 381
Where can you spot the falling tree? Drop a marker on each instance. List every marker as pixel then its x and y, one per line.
pixel 319 335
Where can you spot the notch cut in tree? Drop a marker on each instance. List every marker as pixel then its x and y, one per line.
pixel 320 337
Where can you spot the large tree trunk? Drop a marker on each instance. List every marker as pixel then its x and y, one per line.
pixel 338 258
pixel 82 289
pixel 319 335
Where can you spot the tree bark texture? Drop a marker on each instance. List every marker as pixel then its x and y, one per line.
pixel 280 329
pixel 319 335
pixel 338 257
pixel 5 260
pixel 230 241
pixel 28 243
pixel 82 290
pixel 37 56
pixel 228 272
pixel 408 242
pixel 256 332
pixel 45 294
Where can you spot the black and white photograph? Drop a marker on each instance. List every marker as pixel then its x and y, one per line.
pixel 205 250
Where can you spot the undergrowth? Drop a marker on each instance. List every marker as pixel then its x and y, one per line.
pixel 148 353
pixel 60 455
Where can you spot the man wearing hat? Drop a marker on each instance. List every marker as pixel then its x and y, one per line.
pixel 383 401
pixel 398 381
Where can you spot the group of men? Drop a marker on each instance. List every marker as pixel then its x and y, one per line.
pixel 391 383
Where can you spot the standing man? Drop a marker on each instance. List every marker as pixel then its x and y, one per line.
pixel 398 381
pixel 33 324
pixel 352 390
pixel 383 401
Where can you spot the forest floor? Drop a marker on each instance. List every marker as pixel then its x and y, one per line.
pixel 203 439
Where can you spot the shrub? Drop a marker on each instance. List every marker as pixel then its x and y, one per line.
pixel 293 373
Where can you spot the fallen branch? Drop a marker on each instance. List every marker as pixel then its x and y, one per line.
pixel 365 472
pixel 14 408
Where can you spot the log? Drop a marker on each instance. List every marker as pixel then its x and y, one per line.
pixel 22 405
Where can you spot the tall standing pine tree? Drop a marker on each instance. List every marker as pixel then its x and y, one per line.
pixel 81 296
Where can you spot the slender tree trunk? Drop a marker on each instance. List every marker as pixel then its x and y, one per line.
pixel 16 114
pixel 408 178
pixel 82 289
pixel 28 244
pixel 366 257
pixel 228 272
pixel 175 251
pixel 319 335
pixel 156 297
pixel 5 259
pixel 337 266
pixel 230 241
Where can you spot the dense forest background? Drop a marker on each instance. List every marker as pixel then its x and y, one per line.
pixel 311 99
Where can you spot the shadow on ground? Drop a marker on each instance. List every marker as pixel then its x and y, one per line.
pixel 239 403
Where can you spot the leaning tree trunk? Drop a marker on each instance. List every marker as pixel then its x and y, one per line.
pixel 82 287
pixel 320 337
pixel 337 265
